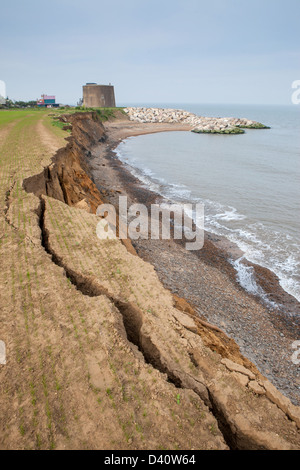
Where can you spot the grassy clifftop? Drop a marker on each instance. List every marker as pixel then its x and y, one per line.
pixel 99 354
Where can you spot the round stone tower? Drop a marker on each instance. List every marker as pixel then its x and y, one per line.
pixel 98 96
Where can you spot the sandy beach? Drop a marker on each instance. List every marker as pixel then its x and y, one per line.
pixel 205 278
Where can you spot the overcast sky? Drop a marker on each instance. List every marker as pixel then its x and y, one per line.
pixel 162 51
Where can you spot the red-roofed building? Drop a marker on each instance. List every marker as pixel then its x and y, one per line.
pixel 47 102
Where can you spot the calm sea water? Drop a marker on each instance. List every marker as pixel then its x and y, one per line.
pixel 250 184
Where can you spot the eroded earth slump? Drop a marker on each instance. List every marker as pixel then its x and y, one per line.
pixel 229 403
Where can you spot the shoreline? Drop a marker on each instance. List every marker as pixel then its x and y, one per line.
pixel 265 277
pixel 116 333
pixel 272 330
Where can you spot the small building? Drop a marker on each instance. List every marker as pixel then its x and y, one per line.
pixel 47 102
pixel 98 96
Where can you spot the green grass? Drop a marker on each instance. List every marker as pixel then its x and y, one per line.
pixel 9 115
pixel 60 124
pixel 107 113
pixel 103 113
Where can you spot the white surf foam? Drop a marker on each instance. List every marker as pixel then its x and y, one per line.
pixel 260 245
pixel 246 278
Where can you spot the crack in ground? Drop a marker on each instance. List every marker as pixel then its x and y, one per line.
pixel 132 316
pixel 6 212
pixel 7 204
pixel 133 322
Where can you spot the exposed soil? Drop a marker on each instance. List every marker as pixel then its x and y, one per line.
pixel 100 355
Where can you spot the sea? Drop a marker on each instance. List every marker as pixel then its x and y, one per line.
pixel 249 184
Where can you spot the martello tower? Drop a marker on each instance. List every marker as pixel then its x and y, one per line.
pixel 98 96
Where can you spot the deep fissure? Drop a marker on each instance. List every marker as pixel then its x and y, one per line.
pixel 7 205
pixel 7 197
pixel 132 317
pixel 132 321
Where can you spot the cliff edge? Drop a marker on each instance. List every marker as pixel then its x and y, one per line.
pixel 99 354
